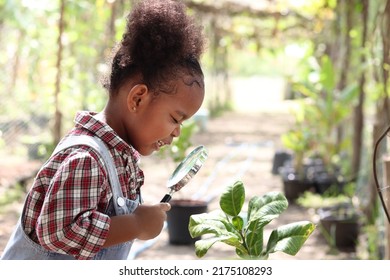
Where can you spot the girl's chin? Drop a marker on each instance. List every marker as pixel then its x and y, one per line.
pixel 151 150
pixel 148 150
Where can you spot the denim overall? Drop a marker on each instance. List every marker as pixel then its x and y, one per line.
pixel 21 247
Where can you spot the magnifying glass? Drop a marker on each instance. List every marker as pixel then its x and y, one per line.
pixel 185 171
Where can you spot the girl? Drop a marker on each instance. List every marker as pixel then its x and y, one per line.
pixel 85 200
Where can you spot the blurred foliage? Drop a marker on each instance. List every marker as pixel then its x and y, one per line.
pixel 318 115
pixel 29 37
pixel 315 200
pixel 10 196
pixel 292 40
pixel 304 41
pixel 29 49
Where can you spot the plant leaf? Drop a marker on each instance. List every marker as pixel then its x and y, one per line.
pixel 290 238
pixel 232 199
pixel 261 211
pixel 254 242
pixel 202 246
pixel 238 222
pixel 327 74
pixel 205 223
pixel 272 203
pixel 254 232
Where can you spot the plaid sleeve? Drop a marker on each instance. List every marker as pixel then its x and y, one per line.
pixel 70 222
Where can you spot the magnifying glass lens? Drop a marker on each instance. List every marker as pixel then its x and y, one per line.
pixel 185 171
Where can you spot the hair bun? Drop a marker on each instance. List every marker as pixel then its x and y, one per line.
pixel 160 33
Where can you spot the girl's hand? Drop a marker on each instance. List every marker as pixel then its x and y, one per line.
pixel 150 219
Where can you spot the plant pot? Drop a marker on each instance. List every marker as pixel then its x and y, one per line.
pixel 293 184
pixel 178 219
pixel 294 188
pixel 280 159
pixel 341 225
pixel 323 179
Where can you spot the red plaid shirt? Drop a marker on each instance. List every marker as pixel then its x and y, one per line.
pixel 65 208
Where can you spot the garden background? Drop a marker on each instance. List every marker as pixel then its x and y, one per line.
pixel 328 59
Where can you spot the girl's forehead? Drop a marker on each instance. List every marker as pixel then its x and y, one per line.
pixel 193 80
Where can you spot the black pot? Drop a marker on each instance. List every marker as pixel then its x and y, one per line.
pixel 280 160
pixel 294 188
pixel 293 184
pixel 178 219
pixel 341 225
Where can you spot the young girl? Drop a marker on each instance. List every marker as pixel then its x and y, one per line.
pixel 85 200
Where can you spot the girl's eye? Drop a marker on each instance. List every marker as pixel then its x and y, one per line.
pixel 176 121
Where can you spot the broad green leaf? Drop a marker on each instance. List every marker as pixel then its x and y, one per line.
pixel 232 199
pixel 304 90
pixel 327 74
pixel 203 245
pixel 290 238
pixel 254 242
pixel 272 203
pixel 348 94
pixel 238 222
pixel 256 224
pixel 254 232
pixel 205 223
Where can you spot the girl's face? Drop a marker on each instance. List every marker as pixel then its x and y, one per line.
pixel 157 119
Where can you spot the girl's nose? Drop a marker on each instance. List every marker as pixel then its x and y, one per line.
pixel 176 131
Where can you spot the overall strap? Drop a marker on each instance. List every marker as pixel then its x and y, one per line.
pixel 99 146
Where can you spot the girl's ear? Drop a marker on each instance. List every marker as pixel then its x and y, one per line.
pixel 136 96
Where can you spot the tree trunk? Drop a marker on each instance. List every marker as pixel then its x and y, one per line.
pixel 58 115
pixel 359 111
pixel 345 61
pixel 385 28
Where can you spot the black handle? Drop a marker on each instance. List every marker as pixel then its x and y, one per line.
pixel 166 198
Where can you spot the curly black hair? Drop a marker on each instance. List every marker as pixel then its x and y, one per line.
pixel 160 42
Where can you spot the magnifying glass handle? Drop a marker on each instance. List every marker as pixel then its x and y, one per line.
pixel 166 198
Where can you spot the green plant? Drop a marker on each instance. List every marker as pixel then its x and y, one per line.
pixel 299 139
pixel 10 196
pixel 315 200
pixel 323 110
pixel 246 232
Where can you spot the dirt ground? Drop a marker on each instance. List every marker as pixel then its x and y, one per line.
pixel 241 146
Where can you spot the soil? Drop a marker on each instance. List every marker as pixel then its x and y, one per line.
pixel 241 146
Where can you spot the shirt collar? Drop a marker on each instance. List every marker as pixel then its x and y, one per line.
pixel 87 120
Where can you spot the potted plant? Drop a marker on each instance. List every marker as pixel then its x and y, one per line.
pixel 339 219
pixel 314 138
pixel 294 173
pixel 245 232
pixel 325 108
pixel 340 225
